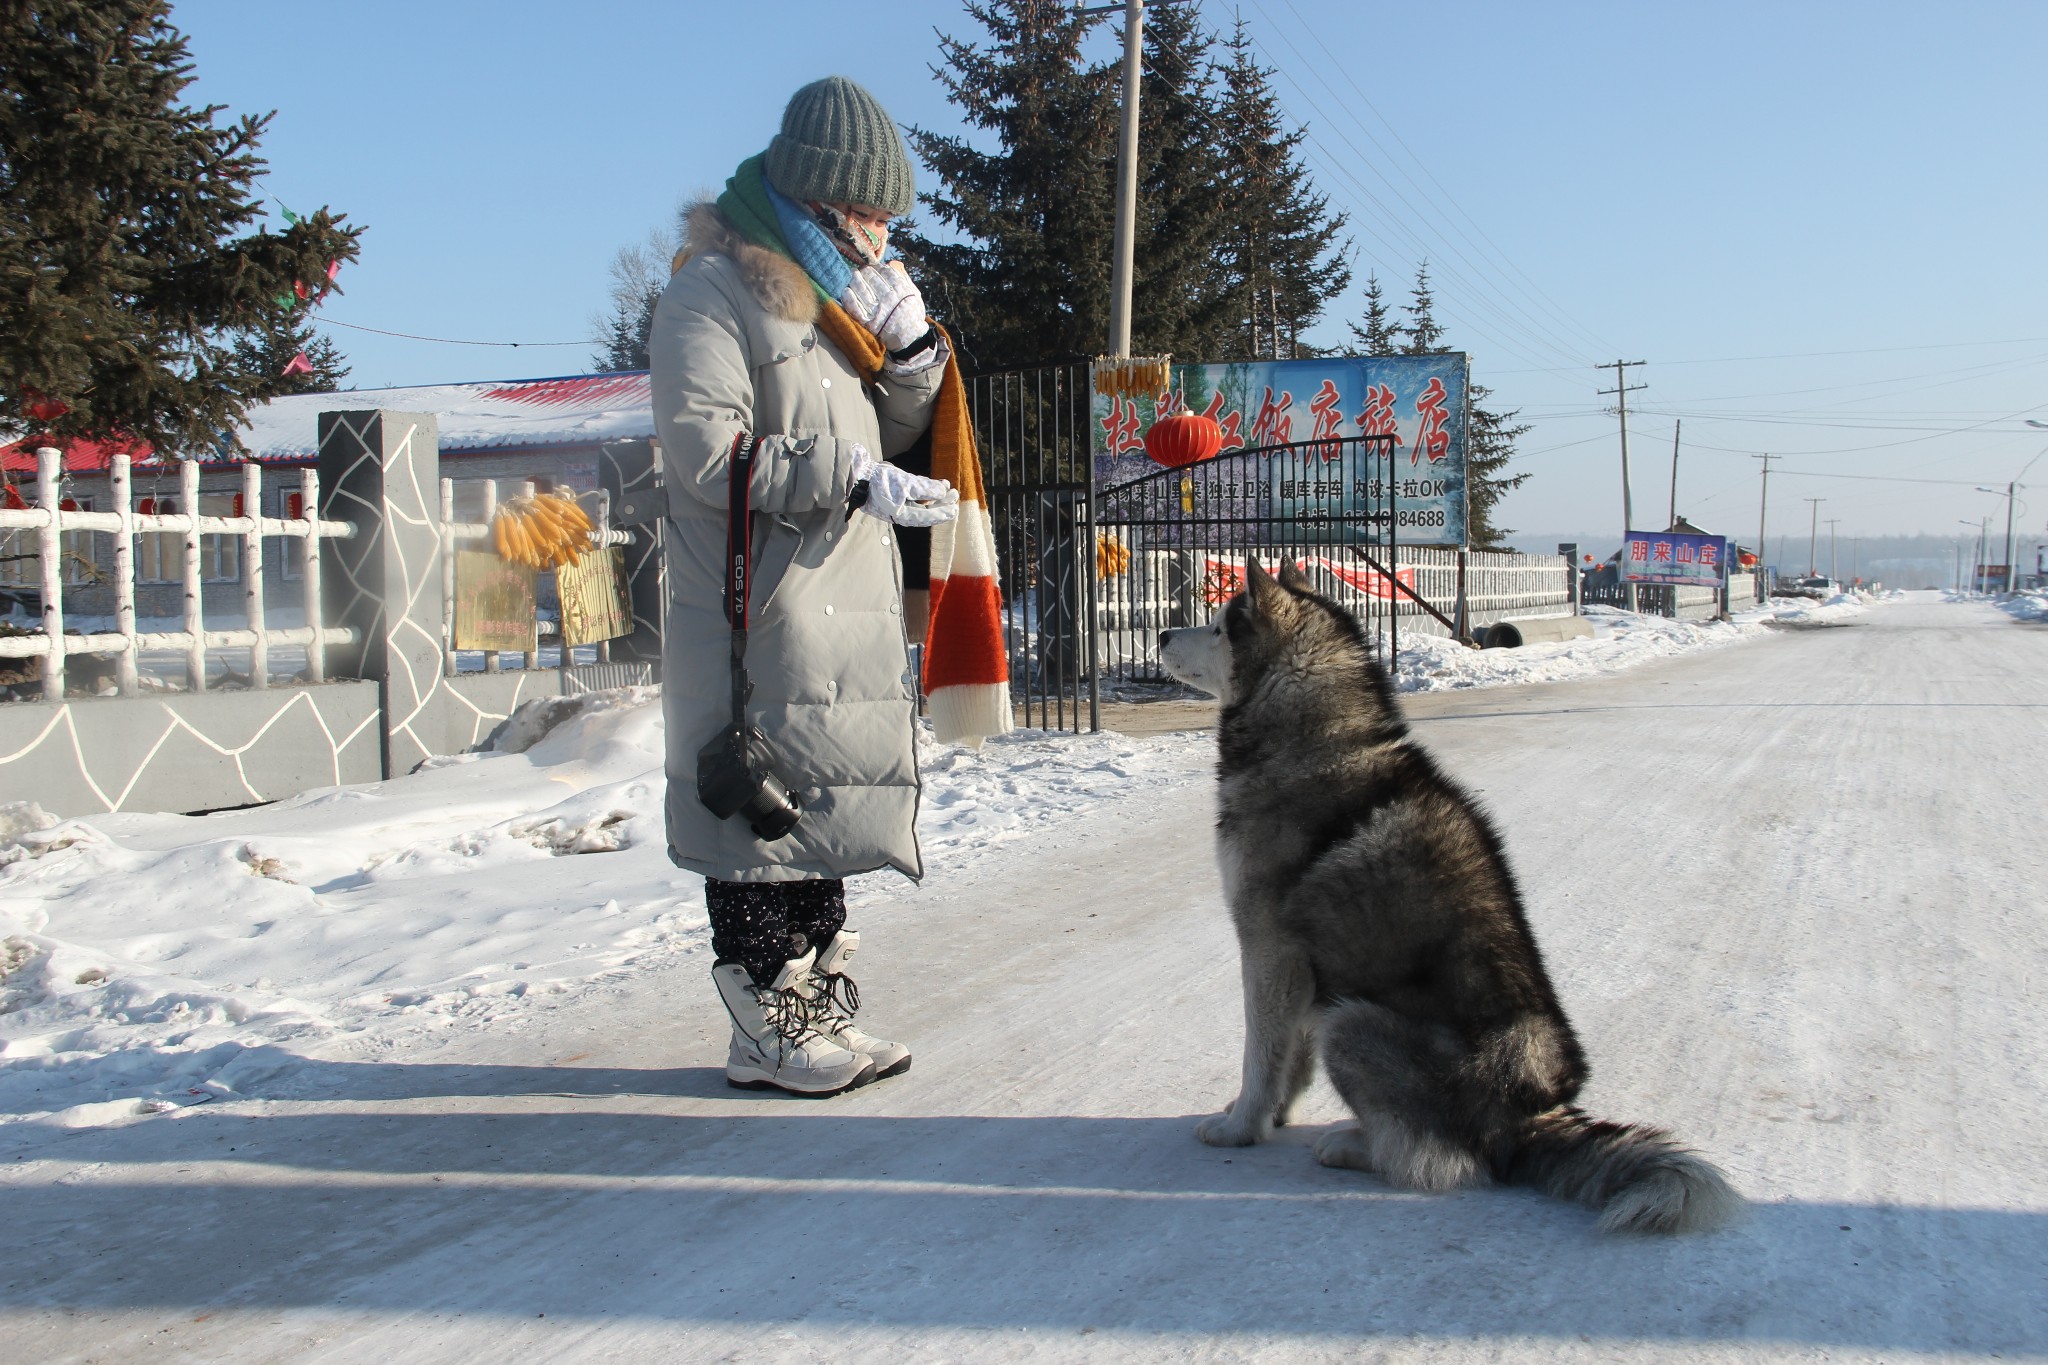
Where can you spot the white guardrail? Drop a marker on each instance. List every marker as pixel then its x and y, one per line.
pixel 52 522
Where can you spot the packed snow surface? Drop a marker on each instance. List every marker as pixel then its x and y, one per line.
pixel 144 953
pixel 421 1068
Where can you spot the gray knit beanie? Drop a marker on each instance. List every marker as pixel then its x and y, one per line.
pixel 839 146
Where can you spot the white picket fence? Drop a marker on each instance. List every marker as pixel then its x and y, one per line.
pixel 48 519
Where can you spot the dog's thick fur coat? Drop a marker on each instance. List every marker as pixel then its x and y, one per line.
pixel 1376 916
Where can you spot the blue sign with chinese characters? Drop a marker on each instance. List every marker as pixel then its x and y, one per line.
pixel 1419 402
pixel 1674 557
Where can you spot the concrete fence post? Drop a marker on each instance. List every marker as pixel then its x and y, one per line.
pixel 381 470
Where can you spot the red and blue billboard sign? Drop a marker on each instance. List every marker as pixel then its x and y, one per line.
pixel 1674 557
pixel 1421 402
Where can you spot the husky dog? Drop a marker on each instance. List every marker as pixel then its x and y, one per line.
pixel 1376 917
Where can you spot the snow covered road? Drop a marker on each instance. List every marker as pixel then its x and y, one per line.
pixel 1791 893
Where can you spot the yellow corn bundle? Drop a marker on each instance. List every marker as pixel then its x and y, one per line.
pixel 544 530
pixel 1133 376
pixel 1112 557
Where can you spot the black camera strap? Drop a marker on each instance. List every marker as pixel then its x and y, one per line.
pixel 739 564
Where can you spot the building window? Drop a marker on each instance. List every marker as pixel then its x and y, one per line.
pixel 220 556
pixel 159 555
pixel 21 557
pixel 291 506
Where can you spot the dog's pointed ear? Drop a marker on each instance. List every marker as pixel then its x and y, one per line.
pixel 1263 593
pixel 1292 578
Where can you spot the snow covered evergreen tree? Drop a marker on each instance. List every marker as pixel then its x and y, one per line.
pixel 127 264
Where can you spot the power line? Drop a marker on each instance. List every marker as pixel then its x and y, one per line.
pixel 1501 305
pixel 445 341
pixel 1808 355
pixel 1499 255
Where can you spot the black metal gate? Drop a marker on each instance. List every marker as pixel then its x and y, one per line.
pixel 1170 548
pixel 1032 429
pixel 1090 577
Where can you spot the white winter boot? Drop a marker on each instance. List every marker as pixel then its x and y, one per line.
pixel 838 998
pixel 775 1043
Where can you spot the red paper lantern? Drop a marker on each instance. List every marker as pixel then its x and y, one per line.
pixel 42 407
pixel 1183 438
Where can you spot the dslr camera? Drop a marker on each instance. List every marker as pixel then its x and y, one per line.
pixel 733 778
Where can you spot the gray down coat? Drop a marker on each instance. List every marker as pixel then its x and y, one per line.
pixel 735 348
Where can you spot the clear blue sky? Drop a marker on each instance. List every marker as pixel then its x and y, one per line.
pixel 1821 224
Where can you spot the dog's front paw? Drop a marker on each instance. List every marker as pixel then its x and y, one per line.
pixel 1229 1130
pixel 1345 1146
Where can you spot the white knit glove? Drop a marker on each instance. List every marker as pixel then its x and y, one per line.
pixel 882 299
pixel 895 494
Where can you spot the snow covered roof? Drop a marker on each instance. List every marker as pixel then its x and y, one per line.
pixel 496 416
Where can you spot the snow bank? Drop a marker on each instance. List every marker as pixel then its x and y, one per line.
pixel 153 961
pixel 2026 606
pixel 1621 640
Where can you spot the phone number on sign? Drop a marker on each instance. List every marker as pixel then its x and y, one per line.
pixel 1422 516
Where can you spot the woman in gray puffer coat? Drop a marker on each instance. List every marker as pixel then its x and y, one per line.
pixel 740 351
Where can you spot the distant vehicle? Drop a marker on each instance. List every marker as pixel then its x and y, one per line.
pixel 1818 587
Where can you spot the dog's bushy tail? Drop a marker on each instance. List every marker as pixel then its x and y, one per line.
pixel 1638 1177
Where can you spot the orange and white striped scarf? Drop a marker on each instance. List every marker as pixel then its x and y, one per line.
pixel 966 672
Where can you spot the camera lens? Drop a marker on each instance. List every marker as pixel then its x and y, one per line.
pixel 773 810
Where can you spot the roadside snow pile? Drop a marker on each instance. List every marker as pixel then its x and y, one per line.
pixel 2026 606
pixel 1840 610
pixel 149 962
pixel 1621 640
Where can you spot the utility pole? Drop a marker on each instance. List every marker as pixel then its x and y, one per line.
pixel 1621 390
pixel 2011 574
pixel 1813 537
pixel 1676 427
pixel 1127 182
pixel 1763 504
pixel 1834 564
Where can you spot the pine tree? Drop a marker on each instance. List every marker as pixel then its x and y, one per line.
pixel 1283 239
pixel 1375 333
pixel 1490 436
pixel 1028 281
pixel 639 274
pixel 1489 446
pixel 126 264
pixel 264 357
pixel 1425 337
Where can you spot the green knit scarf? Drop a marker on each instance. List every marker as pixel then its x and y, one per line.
pixel 747 207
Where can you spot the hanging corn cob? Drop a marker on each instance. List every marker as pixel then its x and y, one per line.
pixel 544 530
pixel 1144 376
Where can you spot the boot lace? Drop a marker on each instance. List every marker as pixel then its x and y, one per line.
pixel 838 994
pixel 790 1014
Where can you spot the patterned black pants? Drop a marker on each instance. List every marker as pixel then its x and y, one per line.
pixel 762 925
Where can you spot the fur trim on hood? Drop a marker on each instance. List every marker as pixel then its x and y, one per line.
pixel 778 282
